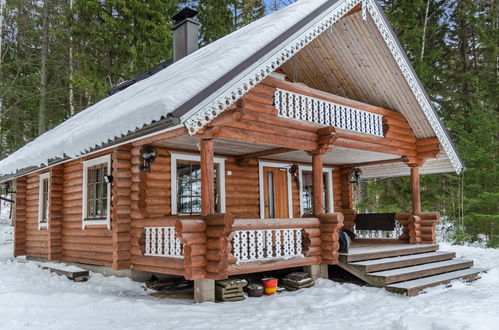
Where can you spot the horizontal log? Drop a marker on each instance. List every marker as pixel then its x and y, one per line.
pixel 163 262
pixel 158 270
pixel 264 266
pixel 427 141
pixel 193 238
pixel 274 130
pixel 195 250
pixel 190 226
pixel 340 142
pixel 247 104
pixel 220 219
pixel 196 261
pixel 260 224
pixel 265 138
pixel 195 273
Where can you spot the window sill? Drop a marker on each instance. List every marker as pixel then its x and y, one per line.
pixel 43 226
pixel 96 222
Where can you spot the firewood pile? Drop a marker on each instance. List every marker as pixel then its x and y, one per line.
pixel 230 290
pixel 296 281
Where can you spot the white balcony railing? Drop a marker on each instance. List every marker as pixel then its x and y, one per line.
pixel 380 234
pixel 161 242
pixel 251 245
pixel 307 108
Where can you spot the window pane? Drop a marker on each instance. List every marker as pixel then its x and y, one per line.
pixel 183 171
pixel 189 187
pixel 184 188
pixel 97 193
pixel 196 171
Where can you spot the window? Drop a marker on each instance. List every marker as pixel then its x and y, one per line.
pixel 306 190
pixel 186 184
pixel 43 200
pixel 96 192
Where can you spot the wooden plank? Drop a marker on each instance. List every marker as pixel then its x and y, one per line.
pixel 385 277
pixel 402 261
pixel 413 287
pixel 361 252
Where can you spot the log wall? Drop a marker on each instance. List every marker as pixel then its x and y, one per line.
pixel 120 209
pixel 94 244
pixel 20 217
pixel 36 239
pixel 56 212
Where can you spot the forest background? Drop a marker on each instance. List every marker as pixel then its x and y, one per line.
pixel 57 57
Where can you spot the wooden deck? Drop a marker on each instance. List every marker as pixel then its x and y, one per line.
pixel 360 251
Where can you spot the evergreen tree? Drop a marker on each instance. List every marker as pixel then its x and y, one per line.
pixel 216 19
pixel 114 40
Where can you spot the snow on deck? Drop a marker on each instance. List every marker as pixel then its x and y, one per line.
pixel 154 97
pixel 32 298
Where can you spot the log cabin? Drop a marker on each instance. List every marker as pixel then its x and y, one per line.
pixel 239 157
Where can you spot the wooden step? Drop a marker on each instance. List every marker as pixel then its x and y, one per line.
pixel 386 277
pixel 371 251
pixel 377 265
pixel 413 287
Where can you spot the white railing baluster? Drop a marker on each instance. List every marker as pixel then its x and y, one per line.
pixel 252 245
pixel 259 244
pixel 244 245
pixel 380 234
pixel 161 242
pixel 307 108
pixel 270 246
pixel 148 241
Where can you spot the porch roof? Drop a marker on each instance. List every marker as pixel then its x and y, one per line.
pixel 197 88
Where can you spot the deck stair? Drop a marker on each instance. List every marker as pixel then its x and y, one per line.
pixel 406 268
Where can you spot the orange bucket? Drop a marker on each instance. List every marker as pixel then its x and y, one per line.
pixel 270 285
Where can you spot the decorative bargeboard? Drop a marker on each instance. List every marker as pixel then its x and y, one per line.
pixel 311 109
pixel 252 245
pixel 161 242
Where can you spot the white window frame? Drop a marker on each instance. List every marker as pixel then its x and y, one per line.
pixel 329 185
pixel 89 163
pixel 220 161
pixel 40 201
pixel 261 165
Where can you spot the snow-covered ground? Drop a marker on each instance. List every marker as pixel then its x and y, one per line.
pixel 32 298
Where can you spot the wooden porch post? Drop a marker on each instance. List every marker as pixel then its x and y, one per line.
pixel 207 178
pixel 317 184
pixel 204 288
pixel 416 191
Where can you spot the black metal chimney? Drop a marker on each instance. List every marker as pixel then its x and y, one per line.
pixel 185 33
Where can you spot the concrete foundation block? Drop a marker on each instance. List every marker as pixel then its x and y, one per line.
pixel 204 290
pixel 317 271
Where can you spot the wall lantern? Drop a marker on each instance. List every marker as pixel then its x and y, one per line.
pixel 149 154
pixel 108 178
pixel 6 187
pixel 355 175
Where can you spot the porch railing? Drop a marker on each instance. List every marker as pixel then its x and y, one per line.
pixel 380 234
pixel 251 245
pixel 161 242
pixel 307 108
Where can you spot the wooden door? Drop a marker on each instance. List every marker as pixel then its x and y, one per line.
pixel 275 181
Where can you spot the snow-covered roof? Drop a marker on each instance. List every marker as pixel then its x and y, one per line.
pixel 198 87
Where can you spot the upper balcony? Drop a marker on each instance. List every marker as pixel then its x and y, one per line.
pixel 315 110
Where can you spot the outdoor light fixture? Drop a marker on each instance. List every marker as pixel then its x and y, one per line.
pixel 355 175
pixel 149 154
pixel 108 178
pixel 6 187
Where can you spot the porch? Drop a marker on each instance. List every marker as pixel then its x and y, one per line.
pixel 257 211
